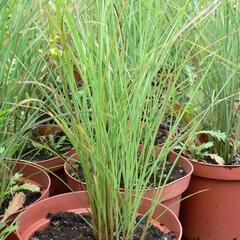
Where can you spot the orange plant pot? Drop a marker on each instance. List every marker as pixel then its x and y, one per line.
pixel 34 218
pixel 171 193
pixel 73 183
pixel 33 174
pixel 214 213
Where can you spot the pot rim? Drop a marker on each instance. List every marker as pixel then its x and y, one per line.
pixel 80 193
pixel 188 175
pixel 213 165
pixel 216 172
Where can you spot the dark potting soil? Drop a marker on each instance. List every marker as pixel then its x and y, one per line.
pixel 160 138
pixel 210 160
pixel 31 197
pixel 167 172
pixel 234 162
pixel 67 225
pixel 160 175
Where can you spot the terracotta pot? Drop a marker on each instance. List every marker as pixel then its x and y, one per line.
pixel 34 218
pixel 55 164
pixel 212 214
pixel 32 173
pixel 171 193
pixel 73 183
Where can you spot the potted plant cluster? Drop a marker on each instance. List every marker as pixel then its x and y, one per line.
pixel 107 110
pixel 21 183
pixel 105 123
pixel 215 154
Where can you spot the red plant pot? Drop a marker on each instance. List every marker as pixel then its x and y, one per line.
pixel 171 193
pixel 54 165
pixel 34 174
pixel 34 218
pixel 73 183
pixel 214 213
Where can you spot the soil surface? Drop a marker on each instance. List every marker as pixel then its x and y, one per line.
pixel 160 175
pixel 66 226
pixel 234 162
pixel 210 160
pixel 160 138
pixel 31 197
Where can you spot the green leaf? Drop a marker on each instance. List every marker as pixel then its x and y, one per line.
pixel 61 140
pixel 15 178
pixel 205 146
pixel 51 140
pixel 37 145
pixel 30 187
pixel 1 150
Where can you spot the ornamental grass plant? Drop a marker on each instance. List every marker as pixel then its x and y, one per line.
pixel 217 45
pixel 122 51
pixel 18 67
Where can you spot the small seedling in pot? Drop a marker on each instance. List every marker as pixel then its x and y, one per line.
pixel 46 147
pixel 15 195
pixel 199 147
